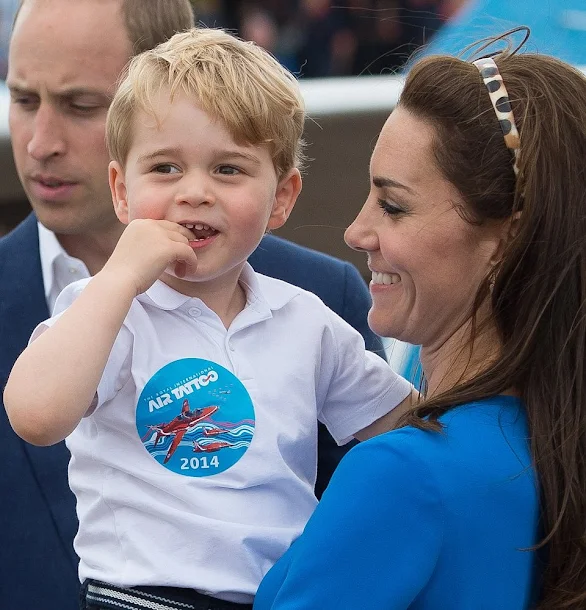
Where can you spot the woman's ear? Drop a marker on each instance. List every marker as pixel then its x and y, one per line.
pixel 288 190
pixel 515 224
pixel 508 232
pixel 118 190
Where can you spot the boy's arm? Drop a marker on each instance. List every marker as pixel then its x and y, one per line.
pixel 54 381
pixel 389 421
pixel 364 396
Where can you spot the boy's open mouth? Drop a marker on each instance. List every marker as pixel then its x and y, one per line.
pixel 200 231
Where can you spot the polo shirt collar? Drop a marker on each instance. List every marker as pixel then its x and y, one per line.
pixel 264 297
pixel 163 297
pixel 266 293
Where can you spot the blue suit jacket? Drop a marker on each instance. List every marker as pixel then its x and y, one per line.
pixel 38 567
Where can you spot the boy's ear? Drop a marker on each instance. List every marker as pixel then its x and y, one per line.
pixel 286 195
pixel 118 190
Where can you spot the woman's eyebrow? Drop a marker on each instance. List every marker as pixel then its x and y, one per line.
pixel 381 182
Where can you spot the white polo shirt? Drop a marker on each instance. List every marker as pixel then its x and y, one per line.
pixel 196 469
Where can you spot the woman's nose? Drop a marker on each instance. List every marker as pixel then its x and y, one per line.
pixel 361 235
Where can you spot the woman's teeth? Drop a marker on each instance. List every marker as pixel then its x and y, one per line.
pixel 385 278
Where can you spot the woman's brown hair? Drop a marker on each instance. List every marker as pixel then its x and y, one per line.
pixel 538 289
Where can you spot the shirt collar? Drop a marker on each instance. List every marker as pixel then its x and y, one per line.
pixel 262 294
pixel 50 250
pixel 55 264
pixel 265 292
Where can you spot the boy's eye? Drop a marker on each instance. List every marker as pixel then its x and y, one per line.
pixel 165 168
pixel 228 170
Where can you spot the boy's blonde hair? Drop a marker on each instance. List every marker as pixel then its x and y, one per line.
pixel 236 82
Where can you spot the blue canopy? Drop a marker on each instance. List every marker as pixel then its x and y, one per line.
pixel 558 27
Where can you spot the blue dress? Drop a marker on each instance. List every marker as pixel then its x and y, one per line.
pixel 422 521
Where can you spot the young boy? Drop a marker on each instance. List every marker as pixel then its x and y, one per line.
pixel 189 387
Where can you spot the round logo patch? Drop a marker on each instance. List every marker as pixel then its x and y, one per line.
pixel 195 417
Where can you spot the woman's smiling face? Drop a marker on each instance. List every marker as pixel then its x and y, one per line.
pixel 427 261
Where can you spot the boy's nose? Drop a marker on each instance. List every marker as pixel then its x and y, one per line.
pixel 195 191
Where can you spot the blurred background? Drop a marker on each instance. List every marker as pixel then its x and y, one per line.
pixel 325 43
pixel 349 56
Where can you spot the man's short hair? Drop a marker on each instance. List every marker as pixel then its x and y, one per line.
pixel 236 82
pixel 150 22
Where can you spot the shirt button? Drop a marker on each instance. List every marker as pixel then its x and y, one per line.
pixel 73 270
pixel 194 312
pixel 232 348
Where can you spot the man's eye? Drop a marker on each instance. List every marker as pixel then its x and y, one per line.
pixel 26 101
pixel 165 168
pixel 83 108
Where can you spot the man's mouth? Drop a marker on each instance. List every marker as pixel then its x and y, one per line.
pixel 51 181
pixel 49 188
pixel 200 231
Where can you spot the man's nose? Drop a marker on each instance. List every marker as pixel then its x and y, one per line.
pixel 48 136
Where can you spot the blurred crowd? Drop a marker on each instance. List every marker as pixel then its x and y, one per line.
pixel 315 38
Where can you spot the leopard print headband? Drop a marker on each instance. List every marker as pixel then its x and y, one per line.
pixel 500 100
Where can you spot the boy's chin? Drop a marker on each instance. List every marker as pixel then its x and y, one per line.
pixel 180 279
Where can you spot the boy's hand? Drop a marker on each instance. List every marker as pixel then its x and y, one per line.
pixel 147 248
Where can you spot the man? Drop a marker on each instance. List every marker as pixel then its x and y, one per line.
pixel 65 58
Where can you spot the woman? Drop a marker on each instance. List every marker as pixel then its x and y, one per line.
pixel 475 231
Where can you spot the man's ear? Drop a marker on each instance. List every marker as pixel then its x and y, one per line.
pixel 118 190
pixel 286 195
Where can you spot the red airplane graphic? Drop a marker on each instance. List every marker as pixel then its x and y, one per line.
pixel 178 426
pixel 214 431
pixel 209 447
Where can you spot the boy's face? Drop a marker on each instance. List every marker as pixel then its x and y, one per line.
pixel 185 167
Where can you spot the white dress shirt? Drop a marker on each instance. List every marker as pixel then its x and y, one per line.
pixel 59 269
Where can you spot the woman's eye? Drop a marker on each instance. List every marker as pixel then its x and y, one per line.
pixel 228 170
pixel 165 168
pixel 389 209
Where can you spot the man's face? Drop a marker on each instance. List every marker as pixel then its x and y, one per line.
pixel 65 58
